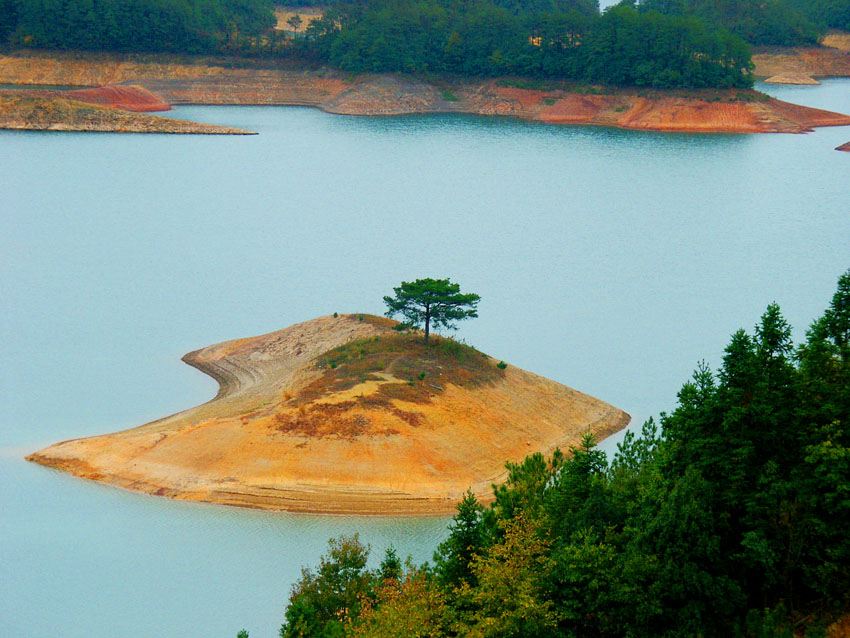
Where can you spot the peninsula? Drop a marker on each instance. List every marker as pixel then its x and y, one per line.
pixel 111 109
pixel 343 414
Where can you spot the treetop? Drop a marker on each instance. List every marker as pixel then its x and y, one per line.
pixel 437 302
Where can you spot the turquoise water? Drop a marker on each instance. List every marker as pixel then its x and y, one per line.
pixel 608 260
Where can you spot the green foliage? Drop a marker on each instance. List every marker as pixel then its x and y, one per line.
pixel 779 22
pixel 507 595
pixel 242 634
pixel 412 606
pixel 431 301
pixel 320 602
pixel 453 558
pixel 390 566
pixel 545 39
pixel 501 365
pixel 180 26
pixel 834 14
pixel 730 519
pixel 661 45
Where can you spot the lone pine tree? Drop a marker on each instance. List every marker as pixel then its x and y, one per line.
pixel 428 302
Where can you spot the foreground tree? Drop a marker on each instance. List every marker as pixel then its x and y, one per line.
pixel 427 302
pixel 321 601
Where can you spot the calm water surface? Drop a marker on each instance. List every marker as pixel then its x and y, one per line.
pixel 608 260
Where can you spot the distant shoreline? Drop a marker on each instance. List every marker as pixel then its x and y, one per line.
pixel 221 81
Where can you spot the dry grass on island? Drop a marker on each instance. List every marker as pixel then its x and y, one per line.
pixel 343 415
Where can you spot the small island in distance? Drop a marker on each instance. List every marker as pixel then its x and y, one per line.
pixel 343 414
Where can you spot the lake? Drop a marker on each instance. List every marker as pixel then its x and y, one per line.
pixel 611 261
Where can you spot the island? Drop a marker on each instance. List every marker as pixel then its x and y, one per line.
pixel 343 414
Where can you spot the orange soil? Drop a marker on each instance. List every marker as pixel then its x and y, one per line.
pixel 126 98
pixel 268 440
pixel 844 147
pixel 811 61
pixel 210 82
pixel 685 114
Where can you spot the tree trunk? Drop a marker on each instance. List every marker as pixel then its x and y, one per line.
pixel 427 321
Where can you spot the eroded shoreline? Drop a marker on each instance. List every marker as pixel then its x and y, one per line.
pixel 208 81
pixel 276 437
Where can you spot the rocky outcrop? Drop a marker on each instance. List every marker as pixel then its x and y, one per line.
pixel 343 415
pixel 33 113
pixel 792 78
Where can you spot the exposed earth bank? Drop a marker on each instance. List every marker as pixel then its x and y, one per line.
pixel 127 98
pixel 830 60
pixel 211 81
pixel 343 415
pixel 21 111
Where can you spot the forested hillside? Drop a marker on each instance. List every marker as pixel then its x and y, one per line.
pixel 566 39
pixel 777 22
pixel 731 517
pixel 175 26
pixel 834 14
pixel 774 23
pixel 621 47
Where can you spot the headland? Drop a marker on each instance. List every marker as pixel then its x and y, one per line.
pixel 343 415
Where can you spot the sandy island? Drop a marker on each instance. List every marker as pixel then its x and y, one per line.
pixel 383 426
pixel 244 82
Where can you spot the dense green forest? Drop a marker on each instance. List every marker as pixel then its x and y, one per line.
pixel 569 38
pixel 731 517
pixel 176 26
pixel 476 37
pixel 834 14
pixel 539 38
pixel 777 22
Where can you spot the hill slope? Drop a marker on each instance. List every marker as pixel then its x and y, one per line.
pixel 342 415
